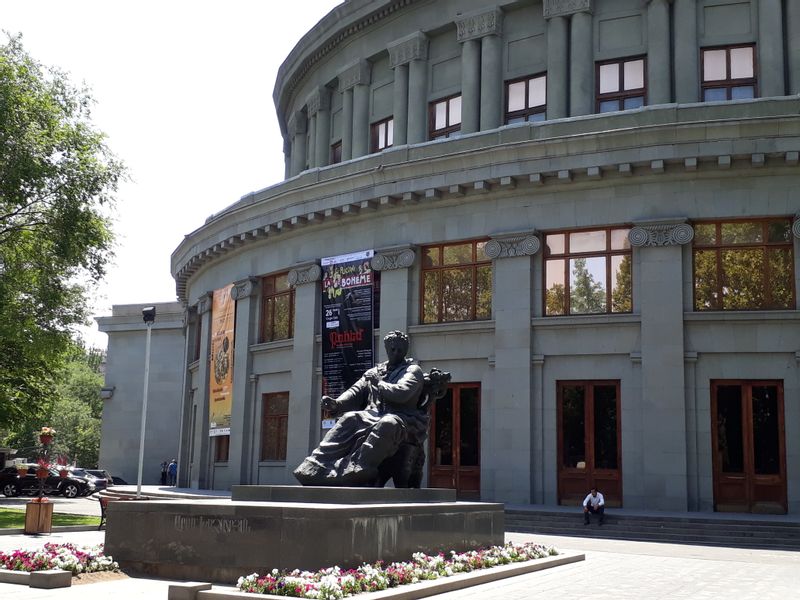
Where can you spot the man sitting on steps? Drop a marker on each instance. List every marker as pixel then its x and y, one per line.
pixel 593 504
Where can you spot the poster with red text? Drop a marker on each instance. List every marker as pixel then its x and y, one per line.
pixel 220 397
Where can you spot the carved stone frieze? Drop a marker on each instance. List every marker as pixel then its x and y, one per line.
pixel 297 124
pixel 319 99
pixel 357 74
pixel 510 245
pixel 478 25
pixel 305 274
pixel 561 8
pixel 796 226
pixel 393 258
pixel 244 288
pixel 661 234
pixel 411 47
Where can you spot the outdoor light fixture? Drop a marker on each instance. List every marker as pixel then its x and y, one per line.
pixel 107 392
pixel 149 314
pixel 149 317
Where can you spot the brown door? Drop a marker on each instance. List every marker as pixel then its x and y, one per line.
pixel 455 448
pixel 747 435
pixel 589 441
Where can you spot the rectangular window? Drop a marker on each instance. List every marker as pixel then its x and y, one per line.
pixel 729 73
pixel 456 283
pixel 621 84
pixel 336 153
pixel 222 444
pixel 445 118
pixel 277 308
pixel 588 272
pixel 744 265
pixel 381 135
pixel 274 425
pixel 526 99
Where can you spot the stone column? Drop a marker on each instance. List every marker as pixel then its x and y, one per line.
pixel 199 468
pixel 190 320
pixel 297 131
pixel 360 120
pixel 507 453
pixel 304 410
pixel 347 124
pixel 692 433
pixel 403 53
pixel 659 66
pixel 793 45
pixel 581 88
pixel 770 48
pixel 318 106
pixel 470 85
pixel 687 70
pixel 312 141
pixel 492 89
pixel 557 67
pixel 354 84
pixel 287 158
pixel 663 405
pixel 394 265
pixel 240 455
pixel 418 98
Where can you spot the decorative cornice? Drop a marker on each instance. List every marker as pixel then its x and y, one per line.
pixel 796 226
pixel 391 259
pixel 204 303
pixel 512 244
pixel 480 24
pixel 244 288
pixel 661 234
pixel 297 124
pixel 308 273
pixel 411 47
pixel 562 8
pixel 357 74
pixel 319 99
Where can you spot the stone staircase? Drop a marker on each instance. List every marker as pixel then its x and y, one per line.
pixel 707 529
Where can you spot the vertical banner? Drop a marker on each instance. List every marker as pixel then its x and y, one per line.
pixel 347 313
pixel 223 313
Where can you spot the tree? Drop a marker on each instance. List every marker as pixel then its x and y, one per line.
pixel 57 182
pixel 585 295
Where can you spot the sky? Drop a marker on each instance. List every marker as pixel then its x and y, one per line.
pixel 183 91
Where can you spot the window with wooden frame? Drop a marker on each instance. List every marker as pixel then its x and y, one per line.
pixel 445 118
pixel 526 99
pixel 381 135
pixel 744 265
pixel 336 153
pixel 274 425
pixel 621 84
pixel 588 272
pixel 729 73
pixel 456 283
pixel 222 445
pixel 277 308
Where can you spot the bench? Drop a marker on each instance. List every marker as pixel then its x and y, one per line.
pixel 104 501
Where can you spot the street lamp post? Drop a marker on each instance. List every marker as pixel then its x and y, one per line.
pixel 149 316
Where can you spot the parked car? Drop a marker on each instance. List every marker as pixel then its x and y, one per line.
pixel 119 480
pixel 13 484
pixel 100 481
pixel 103 476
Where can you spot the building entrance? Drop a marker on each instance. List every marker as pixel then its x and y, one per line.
pixel 455 450
pixel 589 441
pixel 747 435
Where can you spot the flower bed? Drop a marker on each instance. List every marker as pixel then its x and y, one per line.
pixel 334 582
pixel 68 557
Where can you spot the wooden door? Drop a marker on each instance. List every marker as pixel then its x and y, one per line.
pixel 749 455
pixel 454 450
pixel 589 449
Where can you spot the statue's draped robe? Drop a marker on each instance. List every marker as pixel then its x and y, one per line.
pixel 377 419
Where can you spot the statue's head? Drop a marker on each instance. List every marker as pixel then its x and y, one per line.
pixel 396 344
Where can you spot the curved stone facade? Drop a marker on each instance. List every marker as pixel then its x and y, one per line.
pixel 654 179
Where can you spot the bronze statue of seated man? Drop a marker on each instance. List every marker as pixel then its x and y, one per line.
pixel 382 428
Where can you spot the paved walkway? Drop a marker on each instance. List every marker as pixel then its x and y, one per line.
pixel 613 569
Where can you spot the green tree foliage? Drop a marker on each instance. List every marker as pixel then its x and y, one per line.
pixel 586 295
pixel 621 294
pixel 57 180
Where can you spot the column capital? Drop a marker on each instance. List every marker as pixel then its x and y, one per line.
pixel 508 245
pixel 305 273
pixel 356 74
pixel 563 8
pixel 663 232
pixel 204 303
pixel 390 259
pixel 190 314
pixel 796 226
pixel 479 24
pixel 297 124
pixel 244 288
pixel 408 48
pixel 319 99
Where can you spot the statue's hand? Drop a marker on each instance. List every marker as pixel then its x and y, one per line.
pixel 371 375
pixel 329 404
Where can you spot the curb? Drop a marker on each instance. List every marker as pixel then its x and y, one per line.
pixel 45 580
pixel 57 529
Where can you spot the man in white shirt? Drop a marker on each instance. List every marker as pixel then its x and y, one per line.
pixel 593 504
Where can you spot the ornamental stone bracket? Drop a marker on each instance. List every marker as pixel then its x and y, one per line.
pixel 302 274
pixel 244 288
pixel 319 99
pixel 408 48
pixel 204 303
pixel 563 8
pixel 512 244
pixel 671 232
pixel 796 226
pixel 391 259
pixel 480 24
pixel 357 74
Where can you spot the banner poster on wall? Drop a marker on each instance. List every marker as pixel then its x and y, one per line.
pixel 347 313
pixel 223 313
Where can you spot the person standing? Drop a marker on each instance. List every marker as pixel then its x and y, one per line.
pixel 164 473
pixel 593 504
pixel 172 470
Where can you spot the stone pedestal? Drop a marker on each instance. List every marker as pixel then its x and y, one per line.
pixel 309 528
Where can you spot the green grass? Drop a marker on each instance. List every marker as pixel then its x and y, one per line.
pixel 13 518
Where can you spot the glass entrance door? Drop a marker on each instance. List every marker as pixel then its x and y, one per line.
pixel 589 441
pixel 747 435
pixel 455 452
